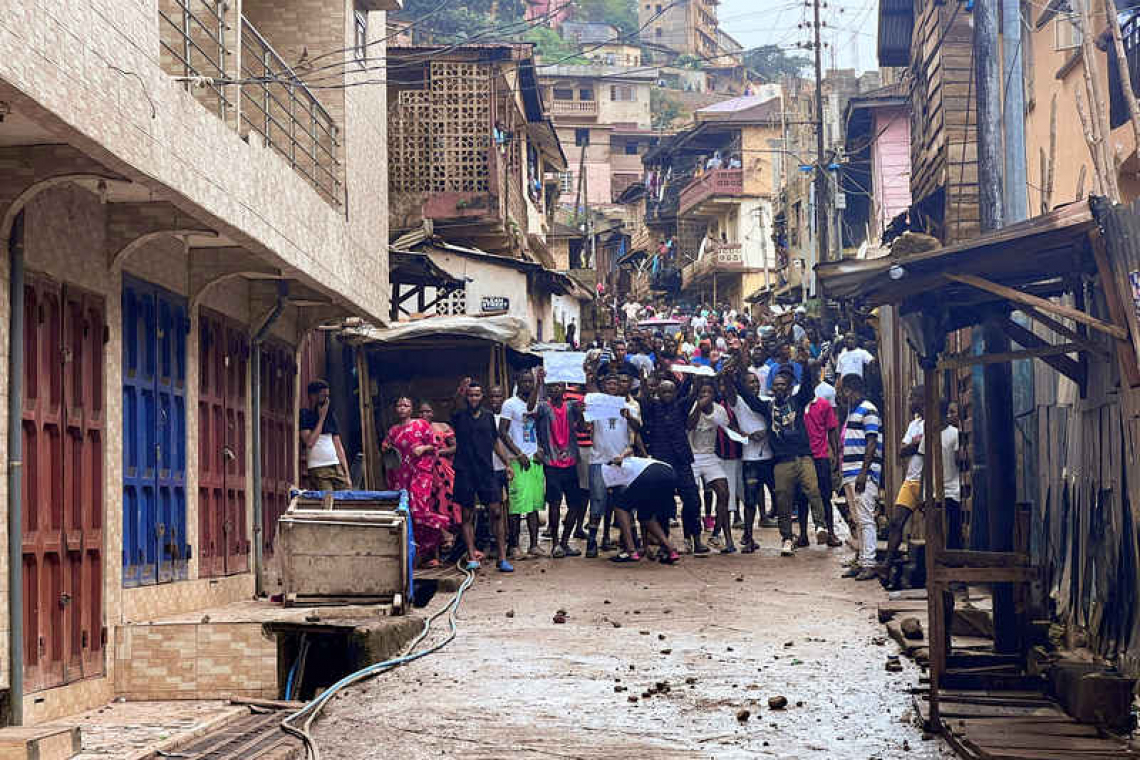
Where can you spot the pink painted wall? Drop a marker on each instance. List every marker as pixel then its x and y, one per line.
pixel 554 12
pixel 890 164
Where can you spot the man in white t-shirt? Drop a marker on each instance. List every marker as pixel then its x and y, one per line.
pixel 951 473
pixel 327 465
pixel 910 492
pixel 645 486
pixel 519 433
pixel 853 359
pixel 496 397
pixel 756 458
pixel 631 309
pixel 612 438
pixel 698 324
pixel 705 419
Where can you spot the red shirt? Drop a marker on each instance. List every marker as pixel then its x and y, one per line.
pixel 574 393
pixel 820 418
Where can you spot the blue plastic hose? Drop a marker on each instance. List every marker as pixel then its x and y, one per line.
pixel 313 708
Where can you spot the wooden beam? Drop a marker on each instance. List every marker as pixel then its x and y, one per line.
pixel 956 362
pixel 970 558
pixel 1126 355
pixel 1025 299
pixel 1063 331
pixel 1063 364
pixel 986 574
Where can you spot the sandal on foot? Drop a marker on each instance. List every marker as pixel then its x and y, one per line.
pixel 472 565
pixel 625 557
pixel 671 558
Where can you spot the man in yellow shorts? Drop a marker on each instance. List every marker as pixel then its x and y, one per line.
pixel 910 493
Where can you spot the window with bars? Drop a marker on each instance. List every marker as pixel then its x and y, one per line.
pixel 623 92
pixel 360 38
pixel 566 182
pixel 1067 27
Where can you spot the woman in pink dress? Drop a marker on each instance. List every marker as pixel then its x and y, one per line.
pixel 444 502
pixel 414 440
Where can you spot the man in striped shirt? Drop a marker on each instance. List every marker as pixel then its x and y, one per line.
pixel 862 471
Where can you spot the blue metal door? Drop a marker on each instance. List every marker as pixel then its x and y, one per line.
pixel 154 435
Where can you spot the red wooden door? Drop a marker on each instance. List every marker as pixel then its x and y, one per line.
pixel 236 533
pixel 223 361
pixel 211 445
pixel 278 461
pixel 62 498
pixel 83 341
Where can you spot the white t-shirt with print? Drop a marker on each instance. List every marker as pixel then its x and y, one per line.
pixel 523 431
pixel 851 361
pixel 611 438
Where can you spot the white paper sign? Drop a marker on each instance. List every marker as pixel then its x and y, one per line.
pixel 564 366
pixel 735 435
pixel 693 369
pixel 602 406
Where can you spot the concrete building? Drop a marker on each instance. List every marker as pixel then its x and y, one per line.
pixel 712 193
pixel 687 27
pixel 602 116
pixel 472 188
pixel 177 234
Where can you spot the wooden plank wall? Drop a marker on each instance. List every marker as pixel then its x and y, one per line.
pixel 943 135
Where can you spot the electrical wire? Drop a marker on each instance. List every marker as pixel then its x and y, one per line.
pixel 311 710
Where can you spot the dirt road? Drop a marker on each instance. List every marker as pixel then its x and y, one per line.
pixel 725 634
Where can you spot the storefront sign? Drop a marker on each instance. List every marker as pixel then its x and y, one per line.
pixel 494 303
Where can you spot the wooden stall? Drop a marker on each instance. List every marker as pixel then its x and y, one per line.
pixel 425 360
pixel 1063 544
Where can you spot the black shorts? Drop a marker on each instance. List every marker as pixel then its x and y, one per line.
pixel 563 482
pixel 482 486
pixel 650 494
pixel 501 479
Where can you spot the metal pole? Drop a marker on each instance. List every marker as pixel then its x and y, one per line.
pixel 821 189
pixel 997 391
pixel 255 411
pixel 15 472
pixel 1013 108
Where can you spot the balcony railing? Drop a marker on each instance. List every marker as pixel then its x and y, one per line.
pixel 715 183
pixel 722 257
pixel 192 34
pixel 574 107
pixel 278 106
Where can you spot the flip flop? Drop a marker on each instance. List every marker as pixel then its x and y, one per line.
pixel 671 559
pixel 472 565
pixel 432 564
pixel 623 557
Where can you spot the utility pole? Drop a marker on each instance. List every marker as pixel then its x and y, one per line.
pixel 999 465
pixel 822 196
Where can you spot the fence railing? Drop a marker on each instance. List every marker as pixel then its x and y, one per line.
pixel 723 182
pixel 192 34
pixel 278 106
pixel 574 107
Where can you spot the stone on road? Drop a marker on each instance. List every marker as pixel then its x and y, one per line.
pixel 519 687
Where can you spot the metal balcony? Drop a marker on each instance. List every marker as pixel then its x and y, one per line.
pixel 278 106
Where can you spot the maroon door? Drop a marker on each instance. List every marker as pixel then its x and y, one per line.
pixel 223 352
pixel 278 462
pixel 236 534
pixel 62 497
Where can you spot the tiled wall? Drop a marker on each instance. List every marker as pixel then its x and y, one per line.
pixel 195 661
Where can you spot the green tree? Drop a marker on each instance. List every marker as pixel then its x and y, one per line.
pixel 664 107
pixel 619 13
pixel 771 62
pixel 549 46
pixel 485 20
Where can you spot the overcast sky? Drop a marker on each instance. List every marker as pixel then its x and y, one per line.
pixel 849 27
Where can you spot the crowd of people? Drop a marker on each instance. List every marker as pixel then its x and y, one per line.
pixel 743 425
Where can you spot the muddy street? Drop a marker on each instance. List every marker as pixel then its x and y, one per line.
pixel 711 637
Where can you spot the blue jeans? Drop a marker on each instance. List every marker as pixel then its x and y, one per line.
pixel 598 494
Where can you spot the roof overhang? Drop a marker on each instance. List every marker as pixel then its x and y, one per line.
pixel 1041 256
